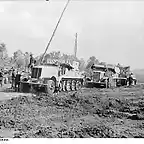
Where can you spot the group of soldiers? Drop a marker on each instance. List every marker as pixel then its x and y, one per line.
pixel 16 78
pixel 13 76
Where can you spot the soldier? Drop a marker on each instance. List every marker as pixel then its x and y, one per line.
pixel 1 77
pixel 32 62
pixel 130 79
pixel 13 78
pixel 17 81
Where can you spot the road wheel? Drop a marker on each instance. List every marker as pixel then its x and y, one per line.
pixel 78 85
pixel 51 86
pixel 73 85
pixel 61 86
pixel 64 85
pixel 68 86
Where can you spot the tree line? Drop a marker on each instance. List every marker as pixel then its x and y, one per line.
pixel 21 60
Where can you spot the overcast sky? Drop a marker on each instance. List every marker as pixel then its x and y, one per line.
pixel 111 31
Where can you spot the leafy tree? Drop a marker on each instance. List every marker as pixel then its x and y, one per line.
pixel 17 54
pixel 82 64
pixel 19 59
pixel 102 63
pixel 92 60
pixel 20 62
pixel 64 58
pixel 26 59
pixel 3 51
pixel 4 60
pixel 2 47
pixel 51 55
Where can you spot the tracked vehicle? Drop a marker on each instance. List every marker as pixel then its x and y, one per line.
pixel 52 78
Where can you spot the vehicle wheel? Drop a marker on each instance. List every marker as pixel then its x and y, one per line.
pixel 64 85
pixel 68 86
pixel 78 85
pixel 73 85
pixel 51 86
pixel 61 86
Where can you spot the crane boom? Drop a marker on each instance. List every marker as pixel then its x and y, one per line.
pixel 54 31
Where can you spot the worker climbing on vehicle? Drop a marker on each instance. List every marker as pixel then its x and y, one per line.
pixel 32 62
pixel 1 77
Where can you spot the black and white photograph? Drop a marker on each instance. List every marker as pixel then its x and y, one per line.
pixel 71 69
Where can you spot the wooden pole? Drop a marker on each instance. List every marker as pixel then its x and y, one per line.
pixel 54 31
pixel 75 48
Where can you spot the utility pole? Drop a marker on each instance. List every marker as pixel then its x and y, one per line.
pixel 75 48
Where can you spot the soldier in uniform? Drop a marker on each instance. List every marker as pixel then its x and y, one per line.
pixel 1 77
pixel 13 78
pixel 130 79
pixel 17 81
pixel 32 62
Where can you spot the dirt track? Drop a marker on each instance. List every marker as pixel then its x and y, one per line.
pixel 87 113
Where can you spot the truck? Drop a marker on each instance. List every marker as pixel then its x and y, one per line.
pixel 99 75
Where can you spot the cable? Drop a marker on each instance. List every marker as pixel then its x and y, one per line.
pixel 54 31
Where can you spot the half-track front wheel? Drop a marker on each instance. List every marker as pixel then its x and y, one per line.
pixel 50 86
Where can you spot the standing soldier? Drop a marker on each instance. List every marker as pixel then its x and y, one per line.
pixel 17 81
pixel 1 78
pixel 13 78
pixel 130 79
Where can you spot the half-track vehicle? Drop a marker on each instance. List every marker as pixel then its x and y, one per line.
pixel 52 78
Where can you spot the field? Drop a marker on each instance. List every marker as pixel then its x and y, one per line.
pixel 98 113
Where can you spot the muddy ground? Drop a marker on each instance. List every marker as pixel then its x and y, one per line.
pixel 98 113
